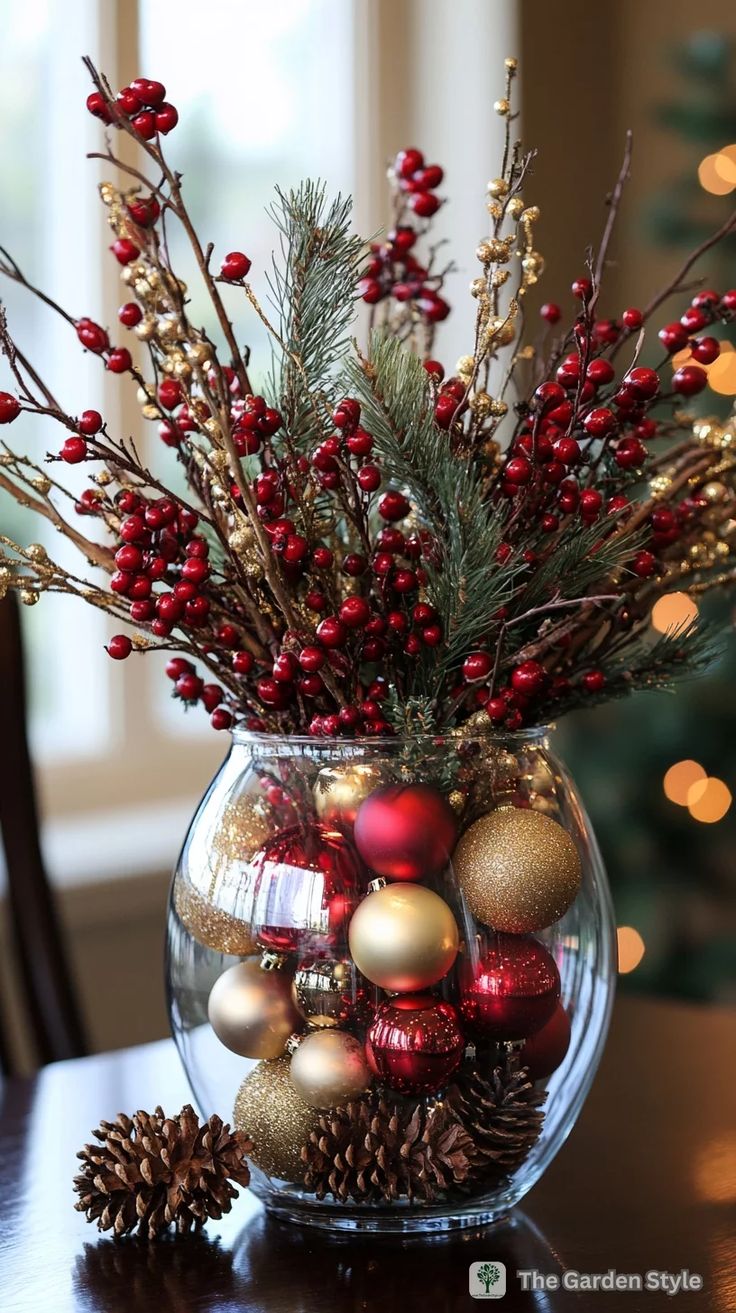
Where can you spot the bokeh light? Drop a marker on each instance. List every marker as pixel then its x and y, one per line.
pixel 708 800
pixel 673 611
pixel 724 164
pixel 710 179
pixel 722 374
pixel 679 780
pixel 631 949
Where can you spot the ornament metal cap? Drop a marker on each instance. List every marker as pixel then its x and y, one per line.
pixel 380 882
pixel 292 1044
pixel 271 961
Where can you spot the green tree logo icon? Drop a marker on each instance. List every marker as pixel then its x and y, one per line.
pixel 488 1273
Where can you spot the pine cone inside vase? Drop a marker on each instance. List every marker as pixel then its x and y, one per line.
pixel 152 1171
pixel 374 1150
pixel 502 1114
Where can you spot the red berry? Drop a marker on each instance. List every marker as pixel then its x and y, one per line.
pixel 644 382
pixel 594 681
pixel 435 369
pixel 496 710
pixel 728 300
pixel 689 380
pixel 632 319
pixel 549 523
pixel 673 337
pixel 120 360
pixel 242 663
pixel 548 395
pixel 644 564
pixel 630 454
pixel 322 557
pixel 235 267
pixel 167 118
pixel 590 503
pixel 311 659
pixel 178 666
pixel 582 288
pixel 9 408
pixel 195 570
pixel 551 312
pixel 97 105
pixel 370 290
pixel 331 632
pixel 285 668
pixel 150 93
pixel 73 450
pixel 144 125
pixel 599 422
pixel 89 422
pixel 130 314
pixel 600 372
pixel 518 470
pixel 695 318
pixel 424 203
pixel 354 565
pixel 346 415
pixel 529 678
pixel 617 504
pixel 705 350
pixel 392 505
pixel 355 612
pixel 567 450
pixel 477 665
pixel 129 557
pixel 119 647
pixel 221 719
pixel 360 443
pixel 144 210
pixel 169 393
pixel 408 162
pixel 92 336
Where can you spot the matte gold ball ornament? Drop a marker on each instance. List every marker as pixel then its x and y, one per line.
pixel 330 1068
pixel 403 937
pixel 519 870
pixel 251 1010
pixel 278 1121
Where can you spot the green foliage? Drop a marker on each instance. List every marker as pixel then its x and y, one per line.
pixel 312 285
pixel 466 586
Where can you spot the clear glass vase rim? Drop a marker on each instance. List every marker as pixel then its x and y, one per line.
pixel 536 734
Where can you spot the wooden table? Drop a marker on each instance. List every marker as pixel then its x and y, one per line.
pixel 646 1181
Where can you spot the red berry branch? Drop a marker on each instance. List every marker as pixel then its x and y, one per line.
pixel 378 544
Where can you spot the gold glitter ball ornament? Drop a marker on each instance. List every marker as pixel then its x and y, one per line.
pixel 277 1119
pixel 243 828
pixel 252 1011
pixel 211 924
pixel 329 1068
pixel 519 870
pixel 339 791
pixel 403 937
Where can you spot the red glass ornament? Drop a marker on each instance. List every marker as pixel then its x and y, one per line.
pixel 414 1043
pixel 405 832
pixel 546 1050
pixel 513 991
pixel 305 889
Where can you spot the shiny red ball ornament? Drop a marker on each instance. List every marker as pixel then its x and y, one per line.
pixel 405 832
pixel 305 887
pixel 414 1043
pixel 546 1050
pixel 513 992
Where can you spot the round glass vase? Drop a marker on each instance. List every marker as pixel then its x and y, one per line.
pixel 391 962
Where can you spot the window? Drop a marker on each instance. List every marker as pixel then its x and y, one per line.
pixel 265 94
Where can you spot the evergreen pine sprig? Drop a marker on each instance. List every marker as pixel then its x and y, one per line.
pixel 313 288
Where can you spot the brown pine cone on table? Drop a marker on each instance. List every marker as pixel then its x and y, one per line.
pixel 152 1172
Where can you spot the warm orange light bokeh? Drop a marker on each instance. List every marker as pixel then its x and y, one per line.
pixel 679 780
pixel 708 800
pixel 710 179
pixel 673 611
pixel 631 949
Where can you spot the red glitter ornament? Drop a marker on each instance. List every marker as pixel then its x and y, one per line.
pixel 305 889
pixel 546 1050
pixel 513 991
pixel 405 832
pixel 414 1043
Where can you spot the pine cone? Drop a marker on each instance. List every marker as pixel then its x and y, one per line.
pixel 373 1150
pixel 152 1171
pixel 502 1115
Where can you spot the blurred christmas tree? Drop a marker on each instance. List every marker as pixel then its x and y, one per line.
pixel 674 876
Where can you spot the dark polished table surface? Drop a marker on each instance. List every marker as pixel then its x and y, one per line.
pixel 646 1182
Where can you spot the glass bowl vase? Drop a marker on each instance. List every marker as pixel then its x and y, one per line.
pixel 391 963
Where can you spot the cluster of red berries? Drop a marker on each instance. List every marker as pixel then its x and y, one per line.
pixel 528 681
pixel 158 545
pixel 76 448
pixel 143 104
pixel 418 181
pixel 392 271
pixel 191 689
pixel 94 337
